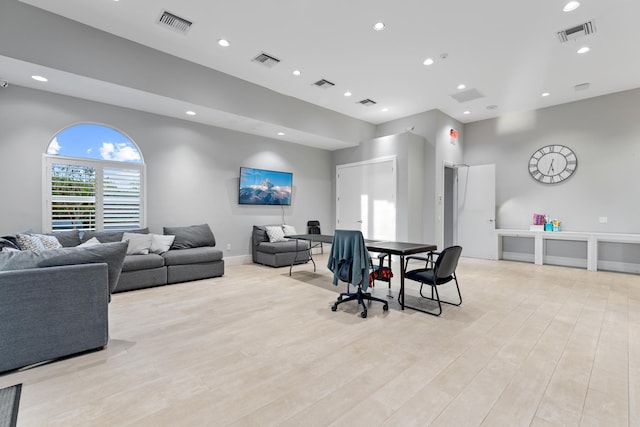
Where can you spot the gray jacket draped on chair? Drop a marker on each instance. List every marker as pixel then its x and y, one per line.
pixel 349 244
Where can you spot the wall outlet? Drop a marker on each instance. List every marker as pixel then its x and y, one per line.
pixel 603 220
pixel 228 246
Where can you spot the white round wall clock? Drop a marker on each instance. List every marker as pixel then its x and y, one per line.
pixel 553 164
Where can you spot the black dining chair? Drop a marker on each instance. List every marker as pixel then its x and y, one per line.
pixel 434 274
pixel 313 227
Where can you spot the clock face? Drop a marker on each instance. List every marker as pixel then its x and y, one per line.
pixel 552 164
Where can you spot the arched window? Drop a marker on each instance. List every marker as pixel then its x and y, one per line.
pixel 94 180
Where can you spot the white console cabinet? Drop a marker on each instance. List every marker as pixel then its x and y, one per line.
pixel 591 240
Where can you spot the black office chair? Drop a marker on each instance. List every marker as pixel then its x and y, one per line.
pixel 349 261
pixel 313 227
pixel 437 273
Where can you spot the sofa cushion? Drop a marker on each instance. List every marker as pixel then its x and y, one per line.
pixel 26 242
pixel 289 230
pixel 67 238
pixel 275 233
pixel 142 262
pixel 161 243
pixel 193 236
pixel 139 244
pixel 110 253
pixel 279 247
pixel 49 242
pixel 110 236
pixel 192 256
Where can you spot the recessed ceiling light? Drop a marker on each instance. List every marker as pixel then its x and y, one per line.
pixel 379 26
pixel 428 61
pixel 467 112
pixel 461 86
pixel 40 78
pixel 545 94
pixel 296 72
pixel 347 93
pixel 572 5
pixel 385 109
pixel 584 49
pixel 191 113
pixel 224 42
pixel 280 133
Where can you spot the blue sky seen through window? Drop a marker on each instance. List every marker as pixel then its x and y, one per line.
pixel 93 141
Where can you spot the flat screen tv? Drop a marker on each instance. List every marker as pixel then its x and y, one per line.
pixel 264 187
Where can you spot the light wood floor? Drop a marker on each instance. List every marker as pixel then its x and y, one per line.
pixel 530 346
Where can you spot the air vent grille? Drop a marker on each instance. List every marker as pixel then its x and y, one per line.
pixel 367 102
pixel 169 20
pixel 266 59
pixel 577 31
pixel 467 95
pixel 324 84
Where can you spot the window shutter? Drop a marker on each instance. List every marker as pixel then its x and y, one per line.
pixel 73 197
pixel 121 189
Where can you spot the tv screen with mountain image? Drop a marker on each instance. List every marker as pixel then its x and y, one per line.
pixel 265 187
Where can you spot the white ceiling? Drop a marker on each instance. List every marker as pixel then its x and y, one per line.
pixel 507 50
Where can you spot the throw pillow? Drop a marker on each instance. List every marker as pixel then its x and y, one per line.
pixel 9 242
pixel 139 244
pixel 275 233
pixel 49 242
pixel 110 253
pixel 193 236
pixel 91 242
pixel 160 243
pixel 30 243
pixel 289 230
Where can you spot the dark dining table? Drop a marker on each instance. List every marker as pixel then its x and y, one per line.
pixel 401 249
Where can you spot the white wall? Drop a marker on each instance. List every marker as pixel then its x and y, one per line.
pixel 39 37
pixel 409 149
pixel 192 169
pixel 604 132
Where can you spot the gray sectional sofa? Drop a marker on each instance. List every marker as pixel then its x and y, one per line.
pixel 54 303
pixel 277 253
pixel 31 334
pixel 192 256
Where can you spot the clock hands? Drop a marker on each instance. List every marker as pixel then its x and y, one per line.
pixel 551 169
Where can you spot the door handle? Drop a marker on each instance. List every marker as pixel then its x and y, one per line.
pixel 360 221
pixel 491 220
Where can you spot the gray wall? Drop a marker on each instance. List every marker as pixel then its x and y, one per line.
pixel 43 38
pixel 410 151
pixel 604 132
pixel 192 169
pixel 423 168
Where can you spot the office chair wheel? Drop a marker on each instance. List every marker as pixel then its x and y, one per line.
pixel 385 307
pixel 363 314
pixel 334 307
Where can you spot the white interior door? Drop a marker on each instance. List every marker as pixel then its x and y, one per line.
pixel 366 198
pixel 477 211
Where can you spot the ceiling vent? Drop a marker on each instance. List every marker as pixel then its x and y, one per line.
pixel 266 60
pixel 324 84
pixel 367 102
pixel 577 31
pixel 174 22
pixel 467 95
